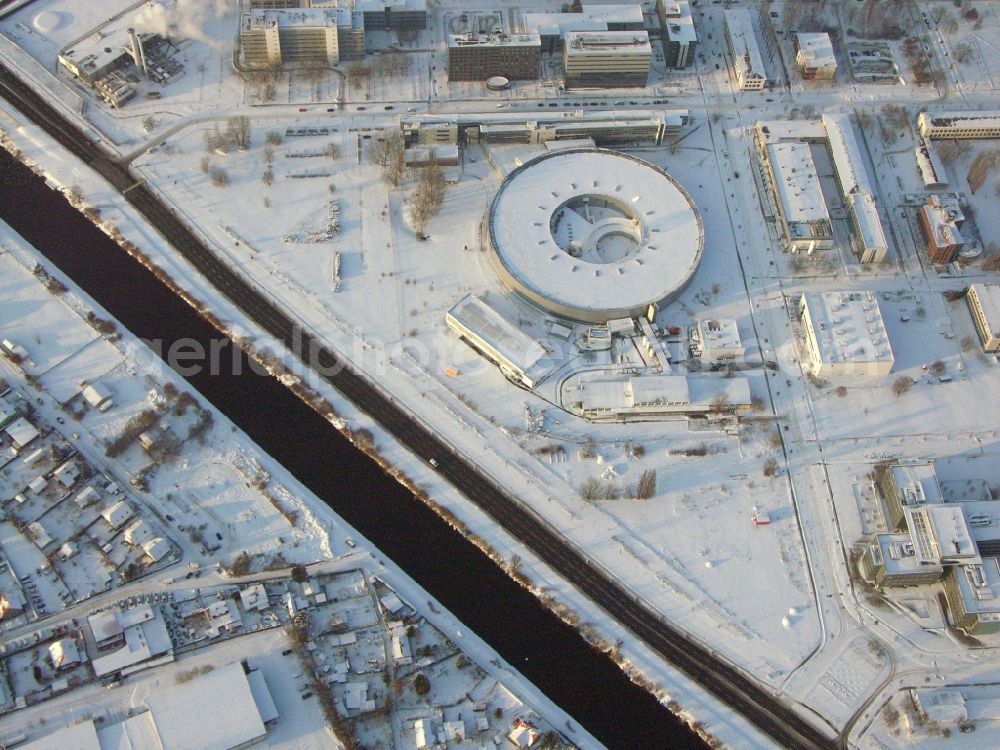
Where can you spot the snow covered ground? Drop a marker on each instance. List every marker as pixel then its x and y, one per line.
pixel 775 599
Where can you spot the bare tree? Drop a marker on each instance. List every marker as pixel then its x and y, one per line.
pixel 216 141
pixel 901 385
pixel 381 149
pixel 273 138
pixel 219 176
pixel 268 177
pixel 962 52
pixel 332 150
pixel 591 490
pixel 428 197
pixel 646 487
pixel 395 168
pixel 238 131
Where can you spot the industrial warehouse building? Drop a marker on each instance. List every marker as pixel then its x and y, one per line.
pixel 748 66
pixel 606 59
pixel 984 124
pixel 984 305
pixel 311 35
pixel 593 235
pixel 845 335
pixel 680 40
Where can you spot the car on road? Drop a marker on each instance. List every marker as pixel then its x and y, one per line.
pixel 433 462
pixel 388 107
pixel 303 109
pixel 332 109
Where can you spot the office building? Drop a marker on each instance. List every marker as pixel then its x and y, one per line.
pixel 845 334
pixel 972 124
pixel 907 485
pixel 814 57
pixel 984 305
pixel 553 27
pixel 680 40
pixel 890 560
pixel 476 57
pixel 748 66
pixel 326 36
pixel 606 59
pixel 973 595
pixel 940 220
pixel 805 222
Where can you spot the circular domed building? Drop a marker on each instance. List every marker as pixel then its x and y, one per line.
pixel 591 234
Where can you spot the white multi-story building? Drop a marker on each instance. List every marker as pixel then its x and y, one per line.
pixel 845 334
pixel 985 124
pixel 302 35
pixel 606 59
pixel 717 340
pixel 814 56
pixel 984 305
pixel 805 222
pixel 748 65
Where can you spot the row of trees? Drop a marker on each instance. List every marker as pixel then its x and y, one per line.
pixel 389 153
pixel 235 135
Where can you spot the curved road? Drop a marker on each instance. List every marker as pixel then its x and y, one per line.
pixel 726 682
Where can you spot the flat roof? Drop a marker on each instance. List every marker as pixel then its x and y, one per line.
pixel 817 49
pixel 797 181
pixel 214 711
pixel 494 40
pixel 680 22
pixel 284 18
pixel 583 43
pixel 940 534
pixel 848 327
pixel 591 18
pixel 739 24
pixel 847 156
pixel 719 333
pixel 917 484
pixel 958 119
pixel 82 736
pixel 671 243
pixel 867 220
pixel 979 586
pixel 989 300
pixel 775 131
pixel 898 557
pixel 505 338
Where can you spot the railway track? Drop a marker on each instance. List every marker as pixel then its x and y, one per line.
pixel 723 680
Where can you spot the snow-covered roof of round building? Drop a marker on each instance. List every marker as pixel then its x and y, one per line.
pixel 649 208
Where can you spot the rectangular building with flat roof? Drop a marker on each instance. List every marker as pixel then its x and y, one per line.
pixel 680 40
pixel 606 59
pixel 748 66
pixel 907 485
pixel 325 35
pixel 814 56
pixel 973 595
pixel 931 167
pixel 518 356
pixel 971 124
pixel 984 305
pixel 890 560
pixel 805 223
pixel 476 57
pixel 940 220
pixel 845 334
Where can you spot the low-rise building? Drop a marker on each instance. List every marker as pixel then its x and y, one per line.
pixel 716 340
pixel 518 355
pixel 680 40
pixel 930 166
pixel 984 305
pixel 117 514
pixel 941 535
pixel 907 486
pixel 97 396
pixel 609 397
pixel 805 222
pixel 138 533
pixel 21 432
pixel 64 654
pixel 845 334
pixel 67 473
pixel 748 65
pixel 476 57
pixel 940 221
pixel 969 124
pixel 973 595
pixel 606 59
pixel 814 56
pixel 890 560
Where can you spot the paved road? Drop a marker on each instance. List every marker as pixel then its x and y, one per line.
pixel 727 683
